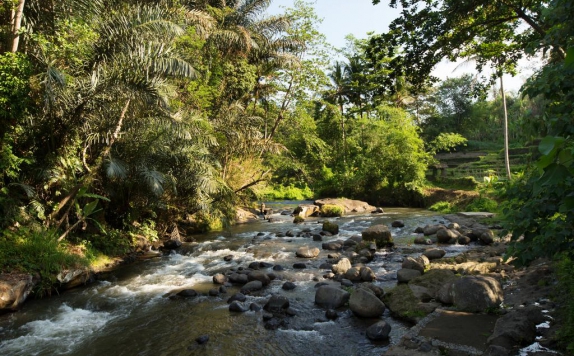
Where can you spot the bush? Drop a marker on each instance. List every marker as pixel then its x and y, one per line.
pixel 444 207
pixel 482 204
pixel 291 192
pixel 329 210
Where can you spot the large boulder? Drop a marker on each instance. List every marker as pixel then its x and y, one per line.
pixel 307 252
pixel 14 289
pixel 420 263
pixel 364 303
pixel 331 227
pixel 331 297
pixel 379 331
pixel 516 328
pixel 238 278
pixel 404 305
pixel 76 277
pixel 306 210
pixel 380 234
pixel 476 293
pixel 446 236
pixel 427 286
pixel 342 266
pixel 350 206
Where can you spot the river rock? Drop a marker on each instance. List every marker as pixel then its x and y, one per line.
pixel 240 297
pixel 342 266
pixel 307 252
pixel 289 285
pixel 251 287
pixel 419 263
pixel 486 237
pixel 404 305
pixel 434 253
pixel 255 307
pixel 364 303
pixel 331 297
pixel 305 211
pixel 299 265
pixel 332 245
pixel 419 230
pixel 421 240
pixel 278 268
pixel 404 275
pixel 476 293
pixel 14 289
pixel 427 286
pixel 187 293
pixel 213 292
pixel 331 314
pixel 432 229
pixel 331 227
pixel 446 236
pixel 398 223
pixel 367 274
pixel 379 331
pixel 380 234
pixel 350 206
pixel 238 278
pixel 277 303
pixel 517 327
pixel 353 274
pixel 259 276
pixel 254 265
pixel 238 307
pixel 317 237
pixel 203 339
pixel 463 240
pixel 219 278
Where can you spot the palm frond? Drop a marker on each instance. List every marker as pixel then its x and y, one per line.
pixel 115 168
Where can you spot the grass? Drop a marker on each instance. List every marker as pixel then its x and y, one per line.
pixel 37 251
pixel 329 210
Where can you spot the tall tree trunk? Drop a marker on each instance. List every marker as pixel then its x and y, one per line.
pixel 506 156
pixel 16 24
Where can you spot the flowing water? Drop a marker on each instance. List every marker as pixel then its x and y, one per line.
pixel 128 313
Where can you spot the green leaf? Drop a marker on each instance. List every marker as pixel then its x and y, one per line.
pixel 545 161
pixel 549 144
pixel 569 61
pixel 89 208
pixel 554 174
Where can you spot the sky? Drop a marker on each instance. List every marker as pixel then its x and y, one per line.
pixel 357 17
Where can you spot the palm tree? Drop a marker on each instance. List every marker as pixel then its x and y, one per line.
pixel 125 86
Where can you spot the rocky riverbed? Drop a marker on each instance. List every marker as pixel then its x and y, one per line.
pixel 361 284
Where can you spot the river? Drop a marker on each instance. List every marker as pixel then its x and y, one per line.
pixel 128 313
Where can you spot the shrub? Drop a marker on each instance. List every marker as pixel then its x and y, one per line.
pixel 291 192
pixel 329 210
pixel 482 204
pixel 444 207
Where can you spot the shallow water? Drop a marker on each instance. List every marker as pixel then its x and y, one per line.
pixel 129 313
